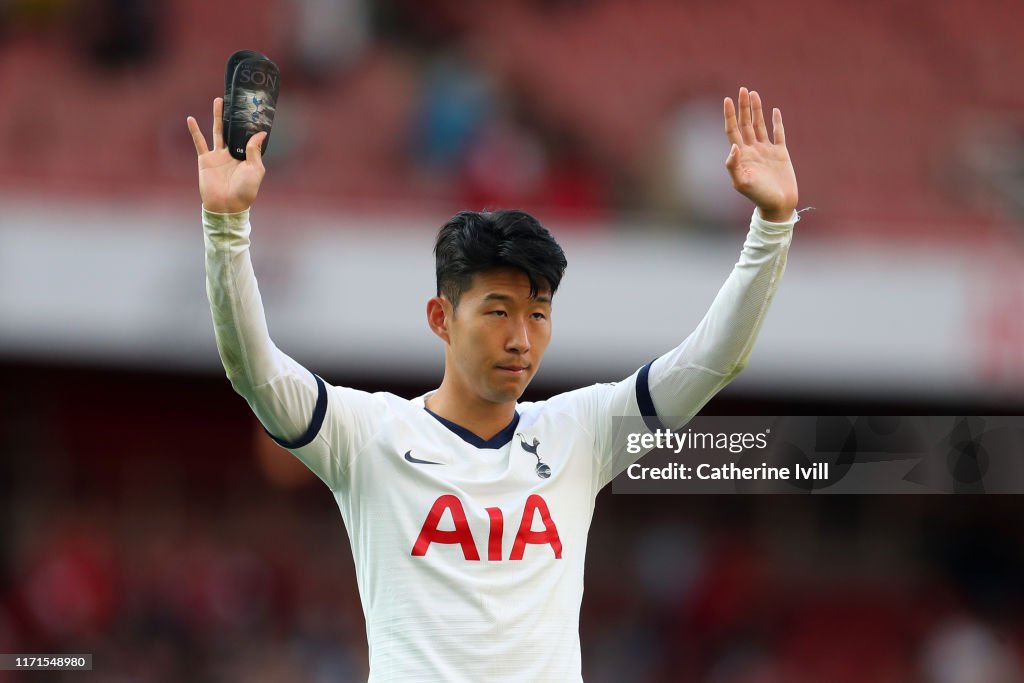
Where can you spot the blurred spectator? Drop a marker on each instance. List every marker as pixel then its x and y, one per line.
pixel 747 663
pixel 121 33
pixel 687 180
pixel 505 166
pixel 963 650
pixel 455 103
pixel 668 560
pixel 990 165
pixel 8 643
pixel 424 25
pixel 330 37
pixel 524 157
pixel 576 182
pixel 67 590
pixel 34 16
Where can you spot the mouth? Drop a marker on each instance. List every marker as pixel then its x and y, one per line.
pixel 514 369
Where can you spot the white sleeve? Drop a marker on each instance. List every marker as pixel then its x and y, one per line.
pixel 321 425
pixel 671 389
pixel 680 382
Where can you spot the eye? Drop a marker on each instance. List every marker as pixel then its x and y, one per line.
pixel 497 313
pixel 539 316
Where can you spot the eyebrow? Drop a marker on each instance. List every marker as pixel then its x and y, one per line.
pixel 496 296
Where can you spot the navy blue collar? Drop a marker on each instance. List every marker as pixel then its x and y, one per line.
pixel 496 441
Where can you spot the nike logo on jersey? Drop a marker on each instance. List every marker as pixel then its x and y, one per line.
pixel 417 461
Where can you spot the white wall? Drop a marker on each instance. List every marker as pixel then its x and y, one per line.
pixel 125 285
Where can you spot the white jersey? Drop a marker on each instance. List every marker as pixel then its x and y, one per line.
pixel 469 554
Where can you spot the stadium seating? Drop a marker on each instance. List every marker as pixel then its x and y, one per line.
pixel 874 99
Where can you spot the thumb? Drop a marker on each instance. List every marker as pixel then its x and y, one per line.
pixel 254 149
pixel 733 158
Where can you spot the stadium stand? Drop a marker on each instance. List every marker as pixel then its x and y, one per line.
pixel 876 98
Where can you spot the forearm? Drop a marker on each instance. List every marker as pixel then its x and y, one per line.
pixel 280 391
pixel 684 379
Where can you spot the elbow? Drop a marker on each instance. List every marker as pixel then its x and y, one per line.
pixel 239 382
pixel 236 369
pixel 736 369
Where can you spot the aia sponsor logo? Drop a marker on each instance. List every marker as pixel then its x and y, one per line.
pixel 462 535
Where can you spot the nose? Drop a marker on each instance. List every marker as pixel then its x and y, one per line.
pixel 518 338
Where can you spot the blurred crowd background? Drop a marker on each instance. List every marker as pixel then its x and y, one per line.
pixel 903 111
pixel 145 519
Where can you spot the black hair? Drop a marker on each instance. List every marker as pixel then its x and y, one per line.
pixel 473 242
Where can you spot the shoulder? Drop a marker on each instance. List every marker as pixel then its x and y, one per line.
pixel 574 404
pixel 596 403
pixel 378 403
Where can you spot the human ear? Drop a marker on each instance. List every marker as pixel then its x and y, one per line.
pixel 439 311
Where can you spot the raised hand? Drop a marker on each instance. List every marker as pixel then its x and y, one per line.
pixel 226 184
pixel 761 169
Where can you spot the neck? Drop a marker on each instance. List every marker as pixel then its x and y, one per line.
pixel 483 418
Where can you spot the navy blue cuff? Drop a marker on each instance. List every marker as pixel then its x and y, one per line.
pixel 644 400
pixel 319 412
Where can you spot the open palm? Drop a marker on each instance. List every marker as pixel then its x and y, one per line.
pixel 760 168
pixel 226 184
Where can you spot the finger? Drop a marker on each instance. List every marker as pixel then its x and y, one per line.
pixel 197 136
pixel 745 129
pixel 254 150
pixel 778 132
pixel 732 129
pixel 218 122
pixel 759 128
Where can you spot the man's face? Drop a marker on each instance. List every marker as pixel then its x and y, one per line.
pixel 497 335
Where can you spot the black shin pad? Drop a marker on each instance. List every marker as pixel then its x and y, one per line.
pixel 251 100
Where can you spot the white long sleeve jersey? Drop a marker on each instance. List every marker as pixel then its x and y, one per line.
pixel 469 554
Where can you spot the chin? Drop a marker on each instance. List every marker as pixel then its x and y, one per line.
pixel 507 395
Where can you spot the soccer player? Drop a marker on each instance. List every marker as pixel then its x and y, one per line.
pixel 468 511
